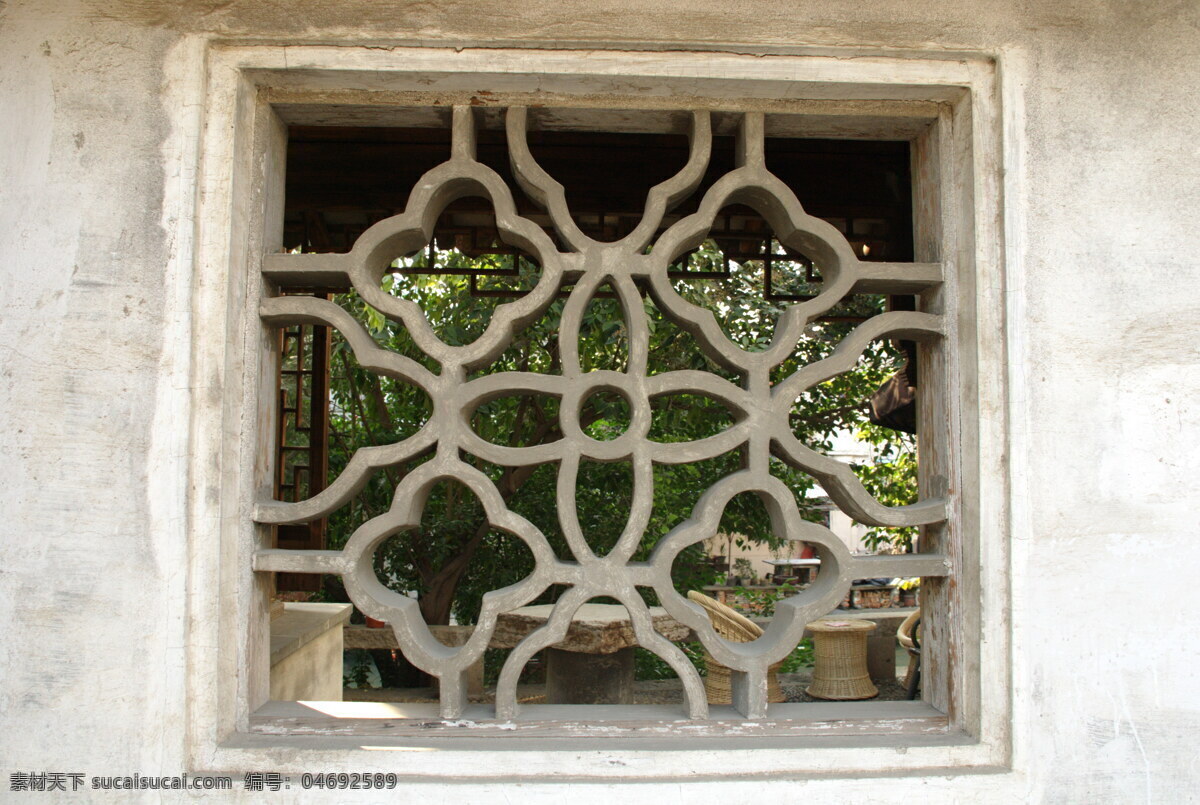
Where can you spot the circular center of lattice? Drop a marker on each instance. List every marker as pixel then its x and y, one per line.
pixel 611 415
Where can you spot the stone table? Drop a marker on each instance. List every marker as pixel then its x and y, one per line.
pixel 594 663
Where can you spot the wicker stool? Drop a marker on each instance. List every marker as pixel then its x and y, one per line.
pixel 840 654
pixel 736 628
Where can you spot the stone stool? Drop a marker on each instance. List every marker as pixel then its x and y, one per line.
pixel 840 660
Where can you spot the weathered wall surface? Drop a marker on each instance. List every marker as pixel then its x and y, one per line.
pixel 1104 331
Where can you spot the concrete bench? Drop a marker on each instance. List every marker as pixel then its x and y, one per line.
pixel 306 652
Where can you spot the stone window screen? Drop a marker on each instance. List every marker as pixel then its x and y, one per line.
pixel 637 263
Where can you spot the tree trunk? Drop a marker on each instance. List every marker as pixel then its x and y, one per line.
pixel 397 672
pixel 438 599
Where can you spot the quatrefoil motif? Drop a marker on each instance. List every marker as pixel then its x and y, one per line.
pixel 760 412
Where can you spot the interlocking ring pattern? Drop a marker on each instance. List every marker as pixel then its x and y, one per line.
pixel 761 412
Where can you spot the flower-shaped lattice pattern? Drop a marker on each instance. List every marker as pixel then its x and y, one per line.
pixel 761 412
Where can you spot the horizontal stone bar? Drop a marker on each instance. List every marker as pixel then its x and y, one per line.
pixel 327 271
pixel 897 278
pixel 281 560
pixel 330 271
pixel 905 565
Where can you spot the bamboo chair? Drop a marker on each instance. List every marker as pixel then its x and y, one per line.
pixel 909 639
pixel 736 628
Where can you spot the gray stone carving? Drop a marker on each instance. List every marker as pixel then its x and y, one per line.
pixel 760 411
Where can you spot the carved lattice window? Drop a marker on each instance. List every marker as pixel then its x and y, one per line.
pixel 637 264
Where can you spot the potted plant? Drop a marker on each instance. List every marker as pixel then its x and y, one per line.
pixel 908 591
pixel 745 573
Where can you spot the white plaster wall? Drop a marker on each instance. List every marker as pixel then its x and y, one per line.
pixel 1103 184
pixel 851 533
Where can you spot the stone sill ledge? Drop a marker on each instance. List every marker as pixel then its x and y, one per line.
pixel 911 723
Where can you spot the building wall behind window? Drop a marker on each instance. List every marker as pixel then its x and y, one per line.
pixel 1104 322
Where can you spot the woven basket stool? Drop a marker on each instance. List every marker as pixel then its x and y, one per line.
pixel 736 628
pixel 840 660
